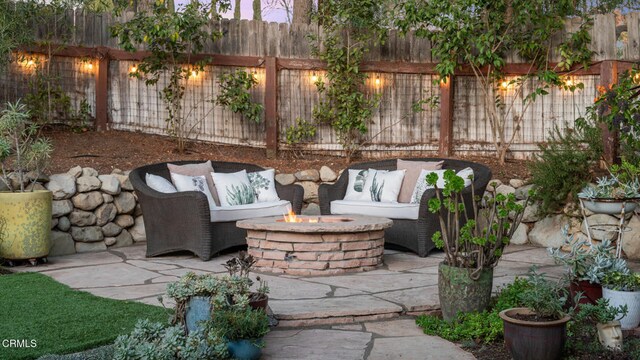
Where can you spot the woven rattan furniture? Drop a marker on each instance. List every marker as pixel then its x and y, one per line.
pixel 414 235
pixel 182 221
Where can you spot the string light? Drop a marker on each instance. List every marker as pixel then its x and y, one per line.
pixel 194 73
pixel 314 77
pixel 377 80
pixel 133 70
pixel 636 78
pixel 504 84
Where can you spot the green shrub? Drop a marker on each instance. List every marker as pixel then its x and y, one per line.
pixel 485 326
pixel 561 169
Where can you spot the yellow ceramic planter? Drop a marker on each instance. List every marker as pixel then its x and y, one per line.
pixel 27 233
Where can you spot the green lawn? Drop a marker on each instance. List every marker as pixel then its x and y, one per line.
pixel 61 320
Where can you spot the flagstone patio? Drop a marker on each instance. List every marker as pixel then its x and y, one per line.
pixel 356 316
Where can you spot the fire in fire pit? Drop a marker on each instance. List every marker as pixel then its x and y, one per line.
pixel 291 217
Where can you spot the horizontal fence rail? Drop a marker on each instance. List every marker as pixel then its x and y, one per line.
pixel 401 71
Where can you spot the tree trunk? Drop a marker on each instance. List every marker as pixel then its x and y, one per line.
pixel 236 10
pixel 302 11
pixel 257 10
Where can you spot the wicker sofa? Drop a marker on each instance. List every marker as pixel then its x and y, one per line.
pixel 412 231
pixel 182 221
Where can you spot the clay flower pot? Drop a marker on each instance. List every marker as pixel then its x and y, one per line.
pixel 533 340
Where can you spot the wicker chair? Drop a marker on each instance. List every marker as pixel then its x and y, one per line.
pixel 181 221
pixel 414 235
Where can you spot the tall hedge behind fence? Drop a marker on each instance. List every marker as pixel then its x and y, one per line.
pixel 403 65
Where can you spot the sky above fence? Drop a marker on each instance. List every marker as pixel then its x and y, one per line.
pixel 272 10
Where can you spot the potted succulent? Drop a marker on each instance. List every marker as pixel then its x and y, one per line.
pixel 610 194
pixel 241 266
pixel 623 289
pixel 465 277
pixel 587 265
pixel 23 157
pixel 243 328
pixel 537 331
pixel 197 295
pixel 604 316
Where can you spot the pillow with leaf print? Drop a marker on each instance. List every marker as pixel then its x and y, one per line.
pixel 422 186
pixel 264 185
pixel 383 185
pixel 193 183
pixel 355 187
pixel 234 188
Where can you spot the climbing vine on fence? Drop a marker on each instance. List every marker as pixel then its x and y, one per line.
pixel 235 95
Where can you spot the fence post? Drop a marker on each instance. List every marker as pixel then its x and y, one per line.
pixel 271 106
pixel 610 139
pixel 102 88
pixel 446 117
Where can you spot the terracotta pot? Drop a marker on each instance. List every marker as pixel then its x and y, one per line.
pixel 458 292
pixel 590 292
pixel 532 340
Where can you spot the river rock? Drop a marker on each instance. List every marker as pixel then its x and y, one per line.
pixel 138 210
pixel 107 198
pixel 62 186
pixel 82 247
pixel 125 184
pixel 87 183
pixel 327 174
pixel 505 190
pixel 105 213
pixel 310 191
pixel 109 241
pixel 35 187
pixel 54 222
pixel 87 171
pixel 61 244
pixel 124 239
pixel 520 235
pixel 110 230
pixel 516 183
pixel 607 225
pixel 548 231
pixel 125 203
pixel 493 184
pixel 63 223
pixel 137 231
pixel 110 184
pixel 308 175
pixel 124 221
pixel 87 234
pixel 61 207
pixel 82 218
pixel 285 179
pixel 87 201
pixel 531 212
pixel 631 239
pixel 523 191
pixel 75 171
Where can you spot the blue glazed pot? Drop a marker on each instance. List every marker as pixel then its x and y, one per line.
pixel 198 310
pixel 244 349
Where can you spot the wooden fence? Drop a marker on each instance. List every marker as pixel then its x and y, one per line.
pixel 401 71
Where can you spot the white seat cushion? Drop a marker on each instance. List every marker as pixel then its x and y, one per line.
pixel 248 211
pixel 388 210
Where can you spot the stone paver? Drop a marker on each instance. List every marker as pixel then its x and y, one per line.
pixel 358 316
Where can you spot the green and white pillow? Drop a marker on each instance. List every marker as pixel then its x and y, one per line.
pixel 264 185
pixel 234 188
pixel 422 186
pixel 467 175
pixel 383 185
pixel 355 187
pixel 193 183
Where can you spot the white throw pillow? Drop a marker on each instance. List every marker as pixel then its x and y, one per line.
pixel 465 173
pixel 264 185
pixel 355 188
pixel 193 183
pixel 422 186
pixel 383 185
pixel 234 188
pixel 160 184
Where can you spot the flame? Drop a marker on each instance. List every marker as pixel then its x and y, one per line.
pixel 313 220
pixel 291 217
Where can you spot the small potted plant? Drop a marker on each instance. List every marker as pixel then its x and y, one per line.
pixel 604 316
pixel 537 331
pixel 241 266
pixel 23 157
pixel 610 194
pixel 587 265
pixel 243 328
pixel 623 288
pixel 465 277
pixel 196 296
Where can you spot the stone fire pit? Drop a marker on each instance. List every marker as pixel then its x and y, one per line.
pixel 330 245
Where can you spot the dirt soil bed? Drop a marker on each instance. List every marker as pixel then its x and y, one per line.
pixel 123 150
